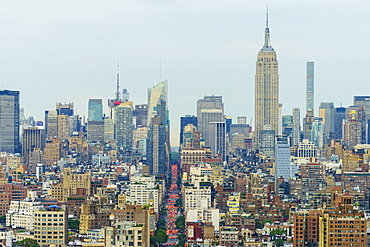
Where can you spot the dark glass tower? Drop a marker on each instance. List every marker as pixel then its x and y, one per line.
pixel 9 121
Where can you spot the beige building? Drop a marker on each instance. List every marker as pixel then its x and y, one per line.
pixel 51 226
pixel 266 89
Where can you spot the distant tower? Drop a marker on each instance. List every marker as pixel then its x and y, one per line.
pixel 266 89
pixel 296 126
pixel 125 95
pixel 310 97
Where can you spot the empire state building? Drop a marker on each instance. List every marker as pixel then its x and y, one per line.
pixel 266 90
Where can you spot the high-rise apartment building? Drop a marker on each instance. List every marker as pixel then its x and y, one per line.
pixel 124 130
pixel 266 89
pixel 267 146
pixel 209 109
pixel 9 121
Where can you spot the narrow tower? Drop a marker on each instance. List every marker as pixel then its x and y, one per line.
pixel 266 89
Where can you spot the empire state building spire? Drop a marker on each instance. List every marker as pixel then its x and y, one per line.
pixel 267 46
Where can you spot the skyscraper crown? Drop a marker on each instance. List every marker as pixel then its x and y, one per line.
pixel 267 46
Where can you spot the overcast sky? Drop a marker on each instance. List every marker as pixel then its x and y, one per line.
pixel 67 51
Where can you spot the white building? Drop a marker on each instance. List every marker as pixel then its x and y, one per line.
pixel 21 213
pixel 204 215
pixel 197 196
pixel 144 191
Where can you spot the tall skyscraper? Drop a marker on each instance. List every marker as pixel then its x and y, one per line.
pixel 296 126
pixel 95 108
pixel 310 99
pixel 266 89
pixel 9 121
pixel 158 139
pixel 124 129
pixel 95 123
pixel 209 109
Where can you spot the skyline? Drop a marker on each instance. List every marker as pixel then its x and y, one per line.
pixel 207 48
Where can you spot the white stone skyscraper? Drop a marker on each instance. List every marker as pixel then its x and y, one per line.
pixel 266 89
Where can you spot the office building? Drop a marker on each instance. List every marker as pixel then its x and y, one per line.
pixel 340 116
pixel 184 121
pixel 266 89
pixel 209 109
pixel 64 109
pixel 353 128
pixel 95 110
pixel 33 138
pixel 317 133
pixel 9 122
pixel 95 131
pixel 125 95
pixel 282 160
pixel 327 115
pixel 51 124
pixel 158 142
pixel 141 115
pixel 108 130
pixel 217 139
pixel 63 126
pixel 307 125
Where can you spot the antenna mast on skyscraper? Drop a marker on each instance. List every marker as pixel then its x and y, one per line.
pixel 267 16
pixel 160 67
pixel 118 98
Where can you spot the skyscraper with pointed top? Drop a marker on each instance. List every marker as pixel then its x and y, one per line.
pixel 266 90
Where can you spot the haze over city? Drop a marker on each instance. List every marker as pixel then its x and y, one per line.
pixel 68 51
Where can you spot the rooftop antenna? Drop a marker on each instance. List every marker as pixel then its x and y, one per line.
pixel 267 16
pixel 160 67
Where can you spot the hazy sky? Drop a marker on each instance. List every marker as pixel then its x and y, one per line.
pixel 67 51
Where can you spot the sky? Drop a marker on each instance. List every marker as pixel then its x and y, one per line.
pixel 67 51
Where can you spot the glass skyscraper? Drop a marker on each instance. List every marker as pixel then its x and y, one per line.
pixel 9 121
